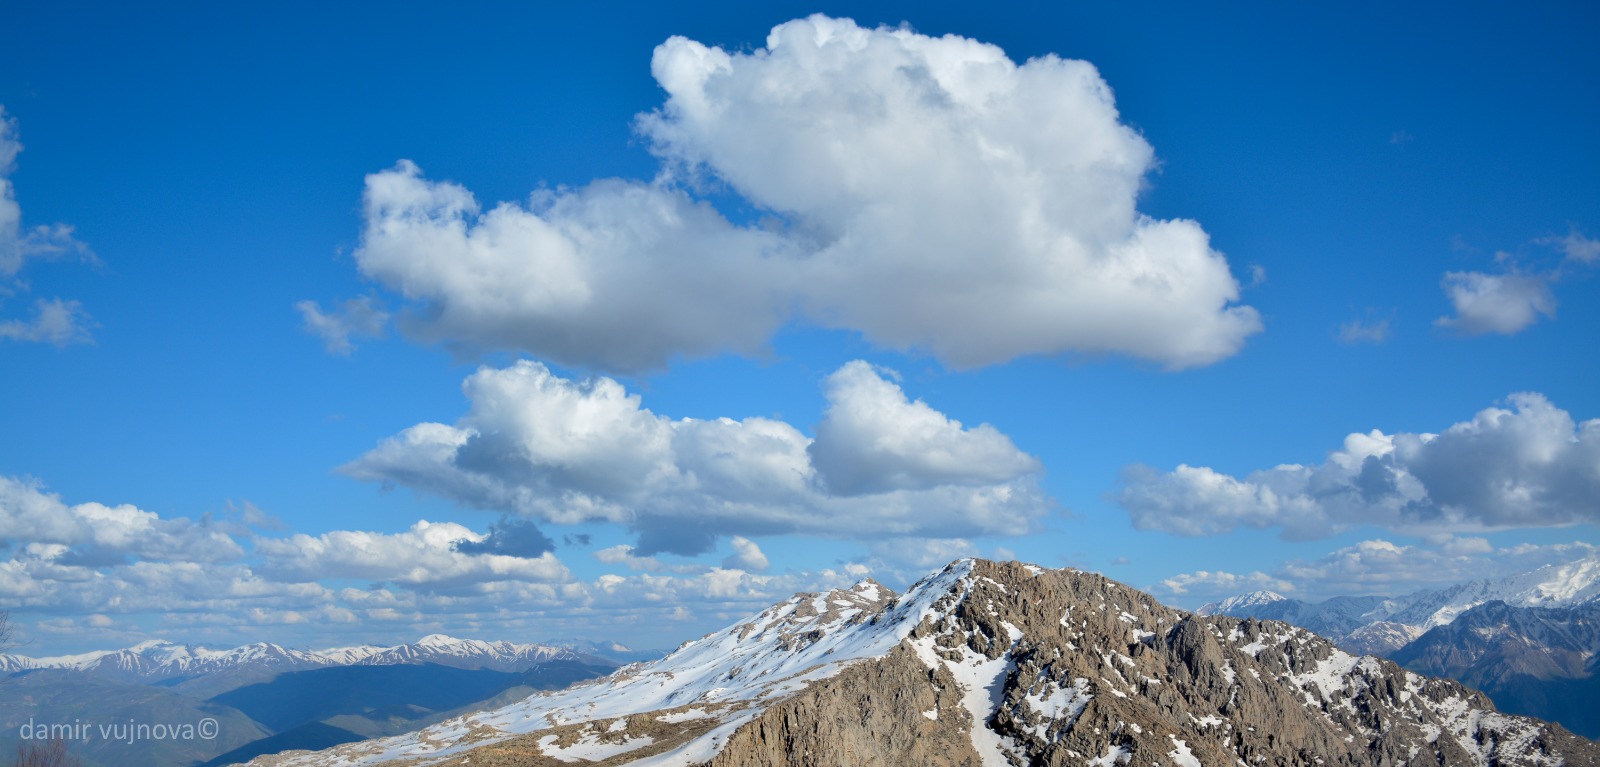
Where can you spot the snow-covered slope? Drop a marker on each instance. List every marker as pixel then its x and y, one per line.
pixel 993 664
pixel 723 679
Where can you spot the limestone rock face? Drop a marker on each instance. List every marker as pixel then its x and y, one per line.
pixel 991 665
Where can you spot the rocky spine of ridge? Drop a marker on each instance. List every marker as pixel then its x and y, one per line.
pixel 1068 668
pixel 995 664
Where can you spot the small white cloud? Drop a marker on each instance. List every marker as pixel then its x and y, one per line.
pixel 355 317
pixel 1530 466
pixel 746 556
pixel 1497 303
pixel 622 554
pixel 873 439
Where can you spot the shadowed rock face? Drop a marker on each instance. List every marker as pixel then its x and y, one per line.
pixel 988 664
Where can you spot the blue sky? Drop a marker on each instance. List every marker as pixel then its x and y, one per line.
pixel 280 282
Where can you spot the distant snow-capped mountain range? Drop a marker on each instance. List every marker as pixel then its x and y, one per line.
pixel 158 660
pixel 1382 625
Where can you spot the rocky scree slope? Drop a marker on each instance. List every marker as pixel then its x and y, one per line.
pixel 989 664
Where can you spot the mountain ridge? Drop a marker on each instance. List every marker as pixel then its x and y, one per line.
pixel 1014 665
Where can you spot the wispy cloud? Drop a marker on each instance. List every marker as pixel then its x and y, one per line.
pixel 1576 247
pixel 1371 329
pixel 54 321
pixel 356 317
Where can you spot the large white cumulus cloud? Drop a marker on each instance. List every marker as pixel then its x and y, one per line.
pixel 1528 466
pixel 927 192
pixel 565 451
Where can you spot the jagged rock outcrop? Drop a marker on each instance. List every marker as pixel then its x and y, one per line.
pixel 989 664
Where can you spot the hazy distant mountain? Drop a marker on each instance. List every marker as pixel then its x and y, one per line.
pixel 1521 639
pixel 1538 661
pixel 474 654
pixel 1337 618
pixel 159 661
pixel 1382 625
pixel 991 664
